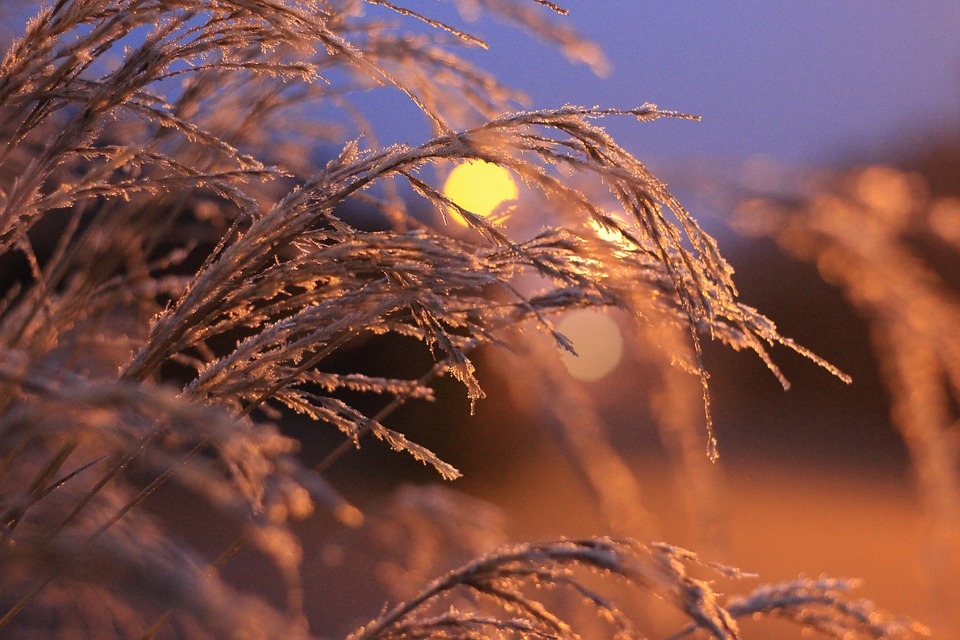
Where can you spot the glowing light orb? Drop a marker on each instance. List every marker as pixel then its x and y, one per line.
pixel 479 187
pixel 597 339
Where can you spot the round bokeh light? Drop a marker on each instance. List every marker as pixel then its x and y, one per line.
pixel 598 342
pixel 479 187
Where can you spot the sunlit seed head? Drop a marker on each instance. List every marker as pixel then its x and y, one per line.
pixel 349 515
pixel 890 194
pixel 479 187
pixel 945 219
pixel 598 342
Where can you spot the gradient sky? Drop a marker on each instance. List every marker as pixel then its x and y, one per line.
pixel 798 81
pixel 783 83
pixel 809 81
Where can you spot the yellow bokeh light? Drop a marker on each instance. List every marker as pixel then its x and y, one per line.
pixel 479 187
pixel 598 342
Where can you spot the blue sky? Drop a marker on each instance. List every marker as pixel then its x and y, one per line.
pixel 797 81
pixel 800 82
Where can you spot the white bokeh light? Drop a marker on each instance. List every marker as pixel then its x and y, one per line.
pixel 597 340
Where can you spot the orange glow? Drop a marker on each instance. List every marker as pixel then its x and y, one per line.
pixel 609 235
pixel 479 187
pixel 597 339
